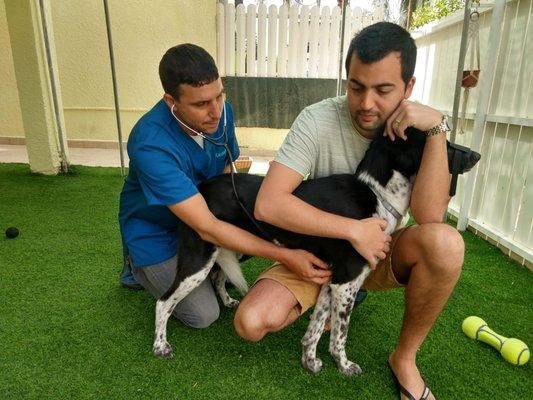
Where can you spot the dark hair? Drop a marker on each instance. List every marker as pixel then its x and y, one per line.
pixel 186 63
pixel 377 41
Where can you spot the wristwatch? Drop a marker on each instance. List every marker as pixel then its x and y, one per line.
pixel 443 126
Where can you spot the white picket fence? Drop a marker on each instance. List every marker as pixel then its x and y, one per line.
pixel 295 41
pixel 502 205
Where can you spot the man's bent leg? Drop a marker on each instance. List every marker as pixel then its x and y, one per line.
pixel 267 307
pixel 198 310
pixel 275 301
pixel 428 258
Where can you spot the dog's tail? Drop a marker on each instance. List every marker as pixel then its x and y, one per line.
pixel 230 265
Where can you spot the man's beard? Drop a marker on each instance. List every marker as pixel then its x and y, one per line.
pixel 377 125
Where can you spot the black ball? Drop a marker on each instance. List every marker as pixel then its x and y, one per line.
pixel 12 232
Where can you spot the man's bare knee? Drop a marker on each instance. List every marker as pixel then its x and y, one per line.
pixel 248 324
pixel 266 308
pixel 444 248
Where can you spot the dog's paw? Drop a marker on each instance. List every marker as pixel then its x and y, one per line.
pixel 232 303
pixel 349 368
pixel 163 350
pixel 312 364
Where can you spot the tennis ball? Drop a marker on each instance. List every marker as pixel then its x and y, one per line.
pixel 12 232
pixel 471 326
pixel 515 351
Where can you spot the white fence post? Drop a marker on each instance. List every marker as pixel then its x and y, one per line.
pixel 251 65
pixel 313 42
pixel 261 40
pixel 323 45
pixel 282 41
pixel 241 40
pixel 272 40
pixel 230 41
pixel 294 39
pixel 221 40
pixel 304 40
pixel 334 43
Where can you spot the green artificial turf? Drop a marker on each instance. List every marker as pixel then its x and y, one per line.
pixel 68 330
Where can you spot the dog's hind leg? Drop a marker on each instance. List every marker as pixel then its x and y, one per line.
pixel 315 329
pixel 218 278
pixel 165 305
pixel 342 301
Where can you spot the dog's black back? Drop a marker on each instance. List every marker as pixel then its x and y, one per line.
pixel 342 194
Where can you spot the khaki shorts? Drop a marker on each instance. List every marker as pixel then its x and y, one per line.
pixel 306 293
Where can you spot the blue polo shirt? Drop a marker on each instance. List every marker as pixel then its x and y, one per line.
pixel 166 165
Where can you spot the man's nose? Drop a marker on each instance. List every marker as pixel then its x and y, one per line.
pixel 215 110
pixel 367 102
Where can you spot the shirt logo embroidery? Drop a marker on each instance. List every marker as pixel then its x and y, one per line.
pixel 221 154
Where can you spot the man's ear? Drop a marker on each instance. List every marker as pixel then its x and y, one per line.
pixel 169 100
pixel 409 87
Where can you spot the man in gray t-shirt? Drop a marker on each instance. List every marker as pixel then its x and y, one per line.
pixel 331 137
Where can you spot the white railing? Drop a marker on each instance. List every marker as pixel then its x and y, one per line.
pixel 502 203
pixel 295 41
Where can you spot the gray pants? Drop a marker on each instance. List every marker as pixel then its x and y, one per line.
pixel 198 310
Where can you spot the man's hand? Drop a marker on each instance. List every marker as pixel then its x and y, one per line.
pixel 307 266
pixel 370 240
pixel 411 114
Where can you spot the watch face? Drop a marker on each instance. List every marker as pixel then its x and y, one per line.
pixel 446 125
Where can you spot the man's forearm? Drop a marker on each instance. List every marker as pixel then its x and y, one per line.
pixel 430 196
pixel 233 238
pixel 293 214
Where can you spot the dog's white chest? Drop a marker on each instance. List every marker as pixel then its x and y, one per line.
pixel 397 193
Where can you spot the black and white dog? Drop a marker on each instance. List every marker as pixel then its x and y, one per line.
pixel 381 187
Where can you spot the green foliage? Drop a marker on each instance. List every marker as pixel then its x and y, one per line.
pixel 440 9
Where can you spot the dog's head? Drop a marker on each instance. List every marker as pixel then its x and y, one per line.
pixel 405 156
pixel 385 156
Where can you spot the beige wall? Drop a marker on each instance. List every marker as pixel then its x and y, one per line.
pixel 10 118
pixel 142 30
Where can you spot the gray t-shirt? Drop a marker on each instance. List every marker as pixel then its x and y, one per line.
pixel 323 141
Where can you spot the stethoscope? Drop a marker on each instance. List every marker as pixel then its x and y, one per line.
pixel 216 142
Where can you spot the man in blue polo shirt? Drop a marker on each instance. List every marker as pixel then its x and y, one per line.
pixel 168 159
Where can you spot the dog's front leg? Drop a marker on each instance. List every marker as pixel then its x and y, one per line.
pixel 342 301
pixel 315 329
pixel 164 308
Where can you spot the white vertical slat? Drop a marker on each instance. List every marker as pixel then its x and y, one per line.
pixel 251 65
pixel 301 70
pixel 241 40
pixel 272 39
pixel 357 20
pixel 221 40
pixel 334 42
pixel 261 40
pixel 323 44
pixel 367 20
pixel 282 41
pixel 313 42
pixel 500 179
pixel 230 42
pixel 504 101
pixel 294 38
pixel 347 38
pixel 522 73
pixel 379 14
pixel 515 181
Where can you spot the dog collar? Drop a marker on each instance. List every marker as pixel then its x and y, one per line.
pixel 388 206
